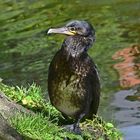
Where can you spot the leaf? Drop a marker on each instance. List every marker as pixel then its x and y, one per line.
pixel 110 125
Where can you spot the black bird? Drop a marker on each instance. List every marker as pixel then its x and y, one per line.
pixel 73 82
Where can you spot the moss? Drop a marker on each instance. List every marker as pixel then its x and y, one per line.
pixel 45 124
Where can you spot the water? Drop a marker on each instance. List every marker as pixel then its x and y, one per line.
pixel 131 132
pixel 25 54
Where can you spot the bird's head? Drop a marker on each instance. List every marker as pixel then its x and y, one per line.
pixel 80 34
pixel 76 27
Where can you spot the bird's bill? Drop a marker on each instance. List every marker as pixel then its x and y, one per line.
pixel 62 30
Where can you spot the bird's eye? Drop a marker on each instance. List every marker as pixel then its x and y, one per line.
pixel 72 29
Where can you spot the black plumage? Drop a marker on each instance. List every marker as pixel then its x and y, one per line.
pixel 73 82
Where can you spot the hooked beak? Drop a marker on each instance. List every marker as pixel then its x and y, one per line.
pixel 63 30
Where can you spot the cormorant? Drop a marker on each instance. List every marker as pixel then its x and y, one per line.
pixel 73 82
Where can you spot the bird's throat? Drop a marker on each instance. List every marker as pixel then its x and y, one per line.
pixel 75 46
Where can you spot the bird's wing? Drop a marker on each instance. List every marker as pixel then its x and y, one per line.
pixel 94 89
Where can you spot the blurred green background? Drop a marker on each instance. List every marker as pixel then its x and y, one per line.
pixel 25 53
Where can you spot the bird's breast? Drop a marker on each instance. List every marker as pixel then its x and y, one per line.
pixel 67 84
pixel 69 95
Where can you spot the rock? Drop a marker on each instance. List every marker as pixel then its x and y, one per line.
pixel 7 132
pixel 9 108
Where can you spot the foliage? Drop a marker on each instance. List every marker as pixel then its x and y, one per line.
pixel 45 124
pixel 31 98
pixel 40 127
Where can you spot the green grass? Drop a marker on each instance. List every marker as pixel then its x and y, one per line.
pixel 45 124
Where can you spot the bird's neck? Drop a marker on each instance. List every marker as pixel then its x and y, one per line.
pixel 75 46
